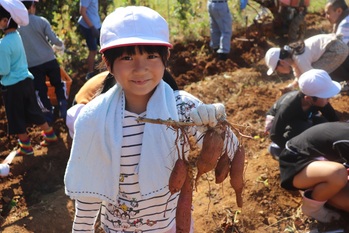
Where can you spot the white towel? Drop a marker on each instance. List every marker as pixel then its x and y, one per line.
pixel 94 165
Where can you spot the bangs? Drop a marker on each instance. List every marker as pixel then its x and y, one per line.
pixel 114 53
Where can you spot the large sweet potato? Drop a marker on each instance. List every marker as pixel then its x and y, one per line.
pixel 222 169
pixel 212 148
pixel 184 204
pixel 237 174
pixel 178 175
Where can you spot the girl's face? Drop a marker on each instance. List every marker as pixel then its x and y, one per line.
pixel 138 74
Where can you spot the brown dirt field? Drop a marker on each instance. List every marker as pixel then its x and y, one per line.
pixel 32 197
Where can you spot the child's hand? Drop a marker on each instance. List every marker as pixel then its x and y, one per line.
pixel 208 114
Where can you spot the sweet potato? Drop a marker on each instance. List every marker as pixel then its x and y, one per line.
pixel 177 177
pixel 236 174
pixel 212 147
pixel 222 169
pixel 183 211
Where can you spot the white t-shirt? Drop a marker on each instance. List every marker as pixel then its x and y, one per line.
pixel 343 28
pixel 315 47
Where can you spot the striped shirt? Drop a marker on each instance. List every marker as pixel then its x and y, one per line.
pixel 132 213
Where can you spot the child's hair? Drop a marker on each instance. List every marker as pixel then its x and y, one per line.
pixel 112 54
pixel 5 14
pixel 28 4
pixel 289 50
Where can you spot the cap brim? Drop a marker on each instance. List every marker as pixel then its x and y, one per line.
pixel 133 41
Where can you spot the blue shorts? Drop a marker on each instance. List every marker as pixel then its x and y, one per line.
pixel 91 41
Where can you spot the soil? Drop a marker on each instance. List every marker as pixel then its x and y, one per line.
pixel 32 197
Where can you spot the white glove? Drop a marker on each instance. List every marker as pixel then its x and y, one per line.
pixel 58 49
pixel 208 114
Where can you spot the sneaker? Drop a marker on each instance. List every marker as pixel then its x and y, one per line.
pixel 4 170
pixel 222 56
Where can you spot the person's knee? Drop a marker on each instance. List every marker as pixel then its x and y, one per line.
pixel 339 176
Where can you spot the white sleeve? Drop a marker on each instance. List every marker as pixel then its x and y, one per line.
pixel 86 212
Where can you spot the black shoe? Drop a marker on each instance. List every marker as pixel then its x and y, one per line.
pixel 222 56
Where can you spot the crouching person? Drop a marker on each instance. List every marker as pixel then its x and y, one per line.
pixel 315 162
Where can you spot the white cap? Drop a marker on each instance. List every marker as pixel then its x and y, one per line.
pixel 271 59
pixel 318 83
pixel 17 11
pixel 134 25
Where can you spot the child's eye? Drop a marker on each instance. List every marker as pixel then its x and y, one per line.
pixel 153 56
pixel 126 58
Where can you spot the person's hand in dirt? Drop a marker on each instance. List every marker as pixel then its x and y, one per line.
pixel 290 87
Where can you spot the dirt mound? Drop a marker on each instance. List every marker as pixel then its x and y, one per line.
pixel 33 199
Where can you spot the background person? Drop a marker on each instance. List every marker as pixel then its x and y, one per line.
pixel 38 38
pixel 323 51
pixel 313 162
pixel 337 13
pixel 130 196
pixel 17 82
pixel 297 111
pixel 221 27
pixel 89 26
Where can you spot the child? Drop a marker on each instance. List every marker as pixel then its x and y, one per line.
pixel 314 161
pixel 17 82
pixel 296 111
pixel 37 38
pixel 324 51
pixel 119 166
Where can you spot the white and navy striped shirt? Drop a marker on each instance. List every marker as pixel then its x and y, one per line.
pixel 132 213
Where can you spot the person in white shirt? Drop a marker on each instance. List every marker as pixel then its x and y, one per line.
pixel 323 51
pixel 337 13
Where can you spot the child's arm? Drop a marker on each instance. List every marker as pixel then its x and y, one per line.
pixel 86 212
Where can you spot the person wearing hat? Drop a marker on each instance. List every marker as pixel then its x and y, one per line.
pixel 89 26
pixel 316 162
pixel 337 13
pixel 120 166
pixel 16 80
pixel 323 51
pixel 297 111
pixel 37 38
